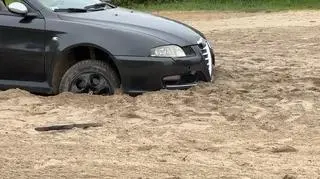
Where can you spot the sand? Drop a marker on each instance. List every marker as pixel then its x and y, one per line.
pixel 260 118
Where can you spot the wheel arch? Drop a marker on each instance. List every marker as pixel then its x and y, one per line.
pixel 79 52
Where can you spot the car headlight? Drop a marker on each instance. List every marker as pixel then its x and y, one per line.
pixel 168 51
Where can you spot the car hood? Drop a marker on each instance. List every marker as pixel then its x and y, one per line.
pixel 171 31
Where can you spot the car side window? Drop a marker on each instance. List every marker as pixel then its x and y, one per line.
pixel 2 6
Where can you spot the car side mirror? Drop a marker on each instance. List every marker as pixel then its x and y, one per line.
pixel 18 8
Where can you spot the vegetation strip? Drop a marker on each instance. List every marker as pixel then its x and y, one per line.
pixel 224 5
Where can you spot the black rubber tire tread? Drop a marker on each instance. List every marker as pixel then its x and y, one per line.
pixel 91 66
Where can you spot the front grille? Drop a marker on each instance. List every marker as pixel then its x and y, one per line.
pixel 206 53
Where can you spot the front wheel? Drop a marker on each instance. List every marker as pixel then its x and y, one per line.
pixel 90 76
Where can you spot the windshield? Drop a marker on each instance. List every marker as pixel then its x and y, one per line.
pixel 69 4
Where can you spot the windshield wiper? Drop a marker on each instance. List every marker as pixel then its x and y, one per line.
pixel 70 10
pixel 96 6
pixel 93 7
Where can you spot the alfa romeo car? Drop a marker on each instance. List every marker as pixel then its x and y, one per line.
pixel 93 46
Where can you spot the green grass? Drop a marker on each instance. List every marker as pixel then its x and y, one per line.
pixel 226 5
pixel 233 5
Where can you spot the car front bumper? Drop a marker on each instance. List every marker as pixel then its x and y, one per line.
pixel 141 74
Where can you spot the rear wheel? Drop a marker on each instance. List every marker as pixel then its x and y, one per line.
pixel 90 76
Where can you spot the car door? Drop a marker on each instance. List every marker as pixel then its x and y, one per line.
pixel 22 46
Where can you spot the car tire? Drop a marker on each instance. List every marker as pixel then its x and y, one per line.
pixel 89 75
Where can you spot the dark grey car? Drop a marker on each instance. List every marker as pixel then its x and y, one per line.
pixel 90 46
